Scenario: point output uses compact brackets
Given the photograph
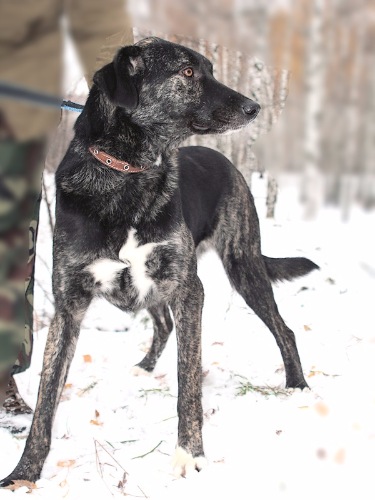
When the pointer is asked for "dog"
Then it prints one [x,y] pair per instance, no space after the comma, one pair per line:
[131,212]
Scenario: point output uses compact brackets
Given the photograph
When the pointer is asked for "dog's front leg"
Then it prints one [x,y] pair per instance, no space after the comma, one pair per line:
[58,354]
[187,310]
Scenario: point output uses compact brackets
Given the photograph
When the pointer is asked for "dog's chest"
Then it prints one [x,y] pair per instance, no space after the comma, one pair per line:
[134,260]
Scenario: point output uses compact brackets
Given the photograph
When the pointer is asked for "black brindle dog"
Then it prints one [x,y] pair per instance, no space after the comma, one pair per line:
[131,211]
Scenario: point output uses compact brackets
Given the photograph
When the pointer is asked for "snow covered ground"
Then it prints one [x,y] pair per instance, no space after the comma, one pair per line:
[115,433]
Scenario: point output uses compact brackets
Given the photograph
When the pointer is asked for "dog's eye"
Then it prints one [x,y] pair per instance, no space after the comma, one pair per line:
[189,72]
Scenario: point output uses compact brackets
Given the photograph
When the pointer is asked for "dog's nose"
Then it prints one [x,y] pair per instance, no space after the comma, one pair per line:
[251,109]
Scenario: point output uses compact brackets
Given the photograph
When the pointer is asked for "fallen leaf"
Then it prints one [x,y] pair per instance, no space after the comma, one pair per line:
[97,414]
[121,485]
[340,456]
[306,328]
[20,483]
[87,358]
[65,463]
[95,422]
[322,409]
[68,386]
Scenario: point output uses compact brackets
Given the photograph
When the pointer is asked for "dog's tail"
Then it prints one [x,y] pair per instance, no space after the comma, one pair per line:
[288,268]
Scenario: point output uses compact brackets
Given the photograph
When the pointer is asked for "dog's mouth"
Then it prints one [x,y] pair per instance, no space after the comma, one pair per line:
[218,126]
[200,127]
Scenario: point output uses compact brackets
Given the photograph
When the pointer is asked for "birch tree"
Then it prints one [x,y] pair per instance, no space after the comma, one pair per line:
[314,87]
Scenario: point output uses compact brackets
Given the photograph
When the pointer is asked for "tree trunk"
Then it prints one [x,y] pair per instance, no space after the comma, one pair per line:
[314,83]
[272,190]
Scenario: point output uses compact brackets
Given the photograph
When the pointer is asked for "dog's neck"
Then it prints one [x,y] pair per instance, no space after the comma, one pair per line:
[113,131]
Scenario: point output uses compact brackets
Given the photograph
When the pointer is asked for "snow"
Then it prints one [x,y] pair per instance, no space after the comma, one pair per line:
[115,433]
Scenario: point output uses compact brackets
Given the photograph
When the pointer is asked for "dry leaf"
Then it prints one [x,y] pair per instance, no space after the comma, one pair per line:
[306,328]
[17,484]
[68,386]
[340,456]
[121,485]
[315,372]
[322,409]
[87,358]
[65,463]
[97,414]
[95,422]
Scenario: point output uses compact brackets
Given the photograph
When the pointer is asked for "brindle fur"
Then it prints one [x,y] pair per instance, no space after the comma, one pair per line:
[140,108]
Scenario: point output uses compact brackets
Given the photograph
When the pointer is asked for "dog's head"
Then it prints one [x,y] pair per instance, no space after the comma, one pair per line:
[159,83]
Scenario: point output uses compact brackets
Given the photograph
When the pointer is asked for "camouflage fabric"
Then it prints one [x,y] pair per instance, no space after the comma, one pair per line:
[31,43]
[31,57]
[20,194]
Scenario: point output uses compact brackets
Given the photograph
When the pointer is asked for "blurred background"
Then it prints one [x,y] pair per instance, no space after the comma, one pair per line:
[312,60]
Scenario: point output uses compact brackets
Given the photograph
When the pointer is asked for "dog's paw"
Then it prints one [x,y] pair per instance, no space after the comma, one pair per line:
[296,384]
[298,390]
[184,463]
[137,371]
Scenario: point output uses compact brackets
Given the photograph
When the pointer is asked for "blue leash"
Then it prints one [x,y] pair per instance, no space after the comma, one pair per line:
[71,106]
[17,93]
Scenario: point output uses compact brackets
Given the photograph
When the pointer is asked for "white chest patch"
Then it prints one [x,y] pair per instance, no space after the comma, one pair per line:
[105,272]
[132,255]
[136,255]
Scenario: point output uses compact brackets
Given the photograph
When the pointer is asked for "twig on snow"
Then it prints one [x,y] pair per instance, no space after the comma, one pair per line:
[149,452]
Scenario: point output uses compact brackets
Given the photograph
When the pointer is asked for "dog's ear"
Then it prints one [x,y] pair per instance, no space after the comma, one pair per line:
[120,79]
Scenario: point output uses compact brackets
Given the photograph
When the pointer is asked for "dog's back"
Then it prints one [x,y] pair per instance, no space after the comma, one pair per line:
[212,191]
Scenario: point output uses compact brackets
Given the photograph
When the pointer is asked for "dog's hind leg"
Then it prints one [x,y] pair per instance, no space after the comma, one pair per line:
[163,325]
[237,240]
[59,351]
[249,277]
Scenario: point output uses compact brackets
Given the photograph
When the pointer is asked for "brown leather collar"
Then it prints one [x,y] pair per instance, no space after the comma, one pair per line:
[111,161]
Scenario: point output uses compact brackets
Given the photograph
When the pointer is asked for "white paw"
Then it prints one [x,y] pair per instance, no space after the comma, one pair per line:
[184,463]
[297,390]
[137,371]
